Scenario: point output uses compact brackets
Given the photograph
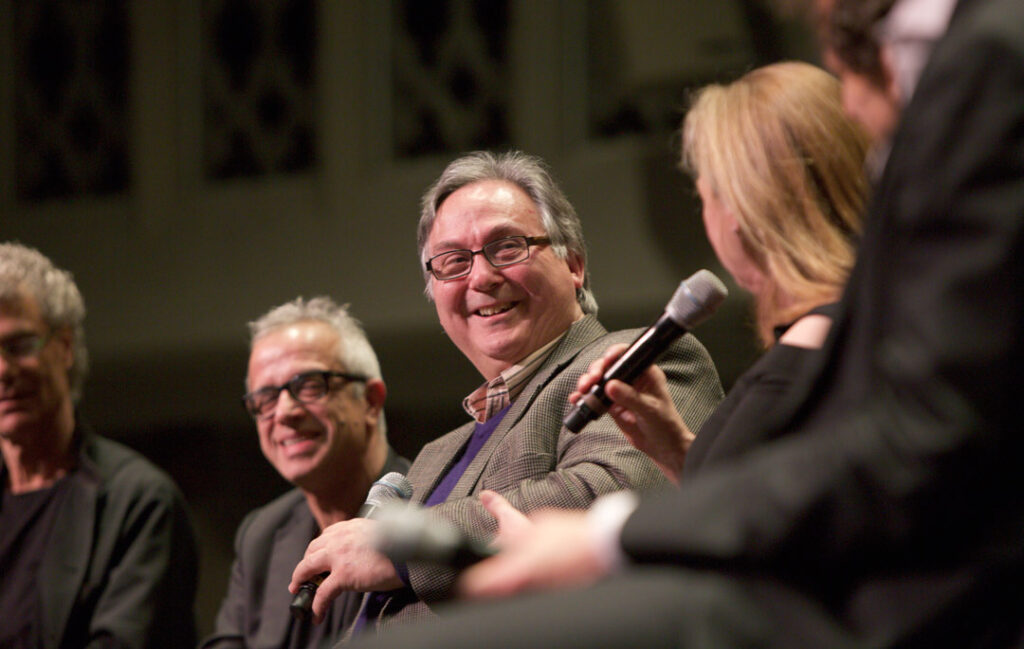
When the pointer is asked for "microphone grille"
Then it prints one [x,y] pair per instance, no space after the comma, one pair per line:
[696,299]
[391,486]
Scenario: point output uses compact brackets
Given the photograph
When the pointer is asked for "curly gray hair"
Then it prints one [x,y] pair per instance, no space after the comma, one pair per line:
[25,270]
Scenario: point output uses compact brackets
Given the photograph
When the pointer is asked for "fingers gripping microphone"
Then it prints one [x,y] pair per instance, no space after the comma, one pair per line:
[693,302]
[392,486]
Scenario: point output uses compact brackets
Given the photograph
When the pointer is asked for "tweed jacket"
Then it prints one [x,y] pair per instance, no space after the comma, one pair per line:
[535,462]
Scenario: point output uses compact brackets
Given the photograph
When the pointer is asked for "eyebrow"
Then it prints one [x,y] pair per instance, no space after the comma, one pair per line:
[499,232]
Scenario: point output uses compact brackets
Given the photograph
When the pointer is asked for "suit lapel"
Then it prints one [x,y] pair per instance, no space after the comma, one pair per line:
[434,460]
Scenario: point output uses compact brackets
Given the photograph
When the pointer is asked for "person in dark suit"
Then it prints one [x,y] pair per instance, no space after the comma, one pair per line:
[889,514]
[317,398]
[504,262]
[96,545]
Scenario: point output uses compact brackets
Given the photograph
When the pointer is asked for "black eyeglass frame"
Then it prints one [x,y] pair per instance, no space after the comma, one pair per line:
[293,385]
[529,241]
[11,352]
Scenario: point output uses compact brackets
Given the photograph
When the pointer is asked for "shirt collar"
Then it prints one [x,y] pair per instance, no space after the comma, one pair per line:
[494,395]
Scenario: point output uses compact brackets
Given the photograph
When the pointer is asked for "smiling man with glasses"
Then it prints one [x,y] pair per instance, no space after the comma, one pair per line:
[96,547]
[316,396]
[504,261]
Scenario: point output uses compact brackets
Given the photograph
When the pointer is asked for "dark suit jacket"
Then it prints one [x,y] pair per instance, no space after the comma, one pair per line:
[535,462]
[120,569]
[269,543]
[901,482]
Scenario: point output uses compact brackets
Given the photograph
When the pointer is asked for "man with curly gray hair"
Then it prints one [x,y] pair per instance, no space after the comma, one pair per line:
[96,546]
[315,392]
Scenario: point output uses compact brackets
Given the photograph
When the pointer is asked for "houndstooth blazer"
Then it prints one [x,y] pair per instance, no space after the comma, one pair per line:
[535,462]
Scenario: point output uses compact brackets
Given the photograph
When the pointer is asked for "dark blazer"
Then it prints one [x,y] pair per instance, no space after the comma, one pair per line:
[895,504]
[269,543]
[535,462]
[120,568]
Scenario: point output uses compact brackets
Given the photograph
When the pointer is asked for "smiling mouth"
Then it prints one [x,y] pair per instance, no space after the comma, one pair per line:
[291,441]
[497,309]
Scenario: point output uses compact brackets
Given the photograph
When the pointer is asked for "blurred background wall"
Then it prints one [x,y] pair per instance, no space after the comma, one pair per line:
[195,163]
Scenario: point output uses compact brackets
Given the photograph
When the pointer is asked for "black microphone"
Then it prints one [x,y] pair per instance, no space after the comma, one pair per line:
[693,302]
[408,533]
[392,486]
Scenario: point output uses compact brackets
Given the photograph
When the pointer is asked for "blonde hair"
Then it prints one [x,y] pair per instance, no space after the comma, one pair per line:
[776,148]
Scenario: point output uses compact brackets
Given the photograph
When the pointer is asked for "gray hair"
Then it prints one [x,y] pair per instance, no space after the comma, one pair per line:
[354,351]
[26,270]
[557,214]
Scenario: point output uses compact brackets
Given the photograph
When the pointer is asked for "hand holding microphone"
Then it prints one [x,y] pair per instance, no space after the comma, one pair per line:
[391,487]
[694,301]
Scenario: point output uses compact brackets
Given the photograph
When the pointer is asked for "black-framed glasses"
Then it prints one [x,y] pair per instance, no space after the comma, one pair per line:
[307,387]
[506,251]
[22,347]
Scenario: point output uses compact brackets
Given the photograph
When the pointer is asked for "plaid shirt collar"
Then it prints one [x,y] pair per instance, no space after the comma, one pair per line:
[492,396]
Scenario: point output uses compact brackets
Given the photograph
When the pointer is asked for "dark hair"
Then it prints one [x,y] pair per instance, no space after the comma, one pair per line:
[852,36]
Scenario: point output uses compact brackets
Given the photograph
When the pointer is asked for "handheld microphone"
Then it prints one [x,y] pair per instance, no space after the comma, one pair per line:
[693,302]
[392,486]
[408,533]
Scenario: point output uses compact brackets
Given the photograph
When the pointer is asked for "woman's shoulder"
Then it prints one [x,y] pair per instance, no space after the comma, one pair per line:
[810,330]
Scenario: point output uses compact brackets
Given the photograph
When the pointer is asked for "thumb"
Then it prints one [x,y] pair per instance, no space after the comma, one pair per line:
[512,523]
[498,506]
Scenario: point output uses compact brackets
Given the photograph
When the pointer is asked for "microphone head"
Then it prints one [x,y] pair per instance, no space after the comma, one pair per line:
[696,299]
[407,533]
[391,486]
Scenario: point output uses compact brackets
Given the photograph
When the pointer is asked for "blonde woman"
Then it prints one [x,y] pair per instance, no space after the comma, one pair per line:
[780,171]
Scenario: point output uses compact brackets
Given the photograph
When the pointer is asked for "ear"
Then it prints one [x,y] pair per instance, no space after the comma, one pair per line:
[577,269]
[375,394]
[65,337]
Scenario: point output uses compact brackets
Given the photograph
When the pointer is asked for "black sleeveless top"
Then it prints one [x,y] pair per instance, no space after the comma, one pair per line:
[750,414]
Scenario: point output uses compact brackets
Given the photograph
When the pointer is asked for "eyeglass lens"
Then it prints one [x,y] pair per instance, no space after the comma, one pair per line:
[305,388]
[502,252]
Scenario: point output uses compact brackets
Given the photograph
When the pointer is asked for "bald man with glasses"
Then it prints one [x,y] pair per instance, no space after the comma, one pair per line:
[316,396]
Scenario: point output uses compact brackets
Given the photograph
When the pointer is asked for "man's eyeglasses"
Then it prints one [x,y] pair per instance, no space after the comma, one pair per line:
[307,387]
[24,346]
[500,252]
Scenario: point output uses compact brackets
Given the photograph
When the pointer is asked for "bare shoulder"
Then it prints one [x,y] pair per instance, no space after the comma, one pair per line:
[808,332]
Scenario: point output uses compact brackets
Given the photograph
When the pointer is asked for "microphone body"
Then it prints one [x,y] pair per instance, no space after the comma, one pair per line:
[408,534]
[694,301]
[392,486]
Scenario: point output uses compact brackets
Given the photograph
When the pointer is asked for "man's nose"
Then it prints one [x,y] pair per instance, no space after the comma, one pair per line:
[287,406]
[483,274]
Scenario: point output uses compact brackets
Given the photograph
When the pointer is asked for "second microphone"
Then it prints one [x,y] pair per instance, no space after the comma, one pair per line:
[391,487]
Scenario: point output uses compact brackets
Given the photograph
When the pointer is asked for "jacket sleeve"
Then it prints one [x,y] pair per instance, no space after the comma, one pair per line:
[146,600]
[917,431]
